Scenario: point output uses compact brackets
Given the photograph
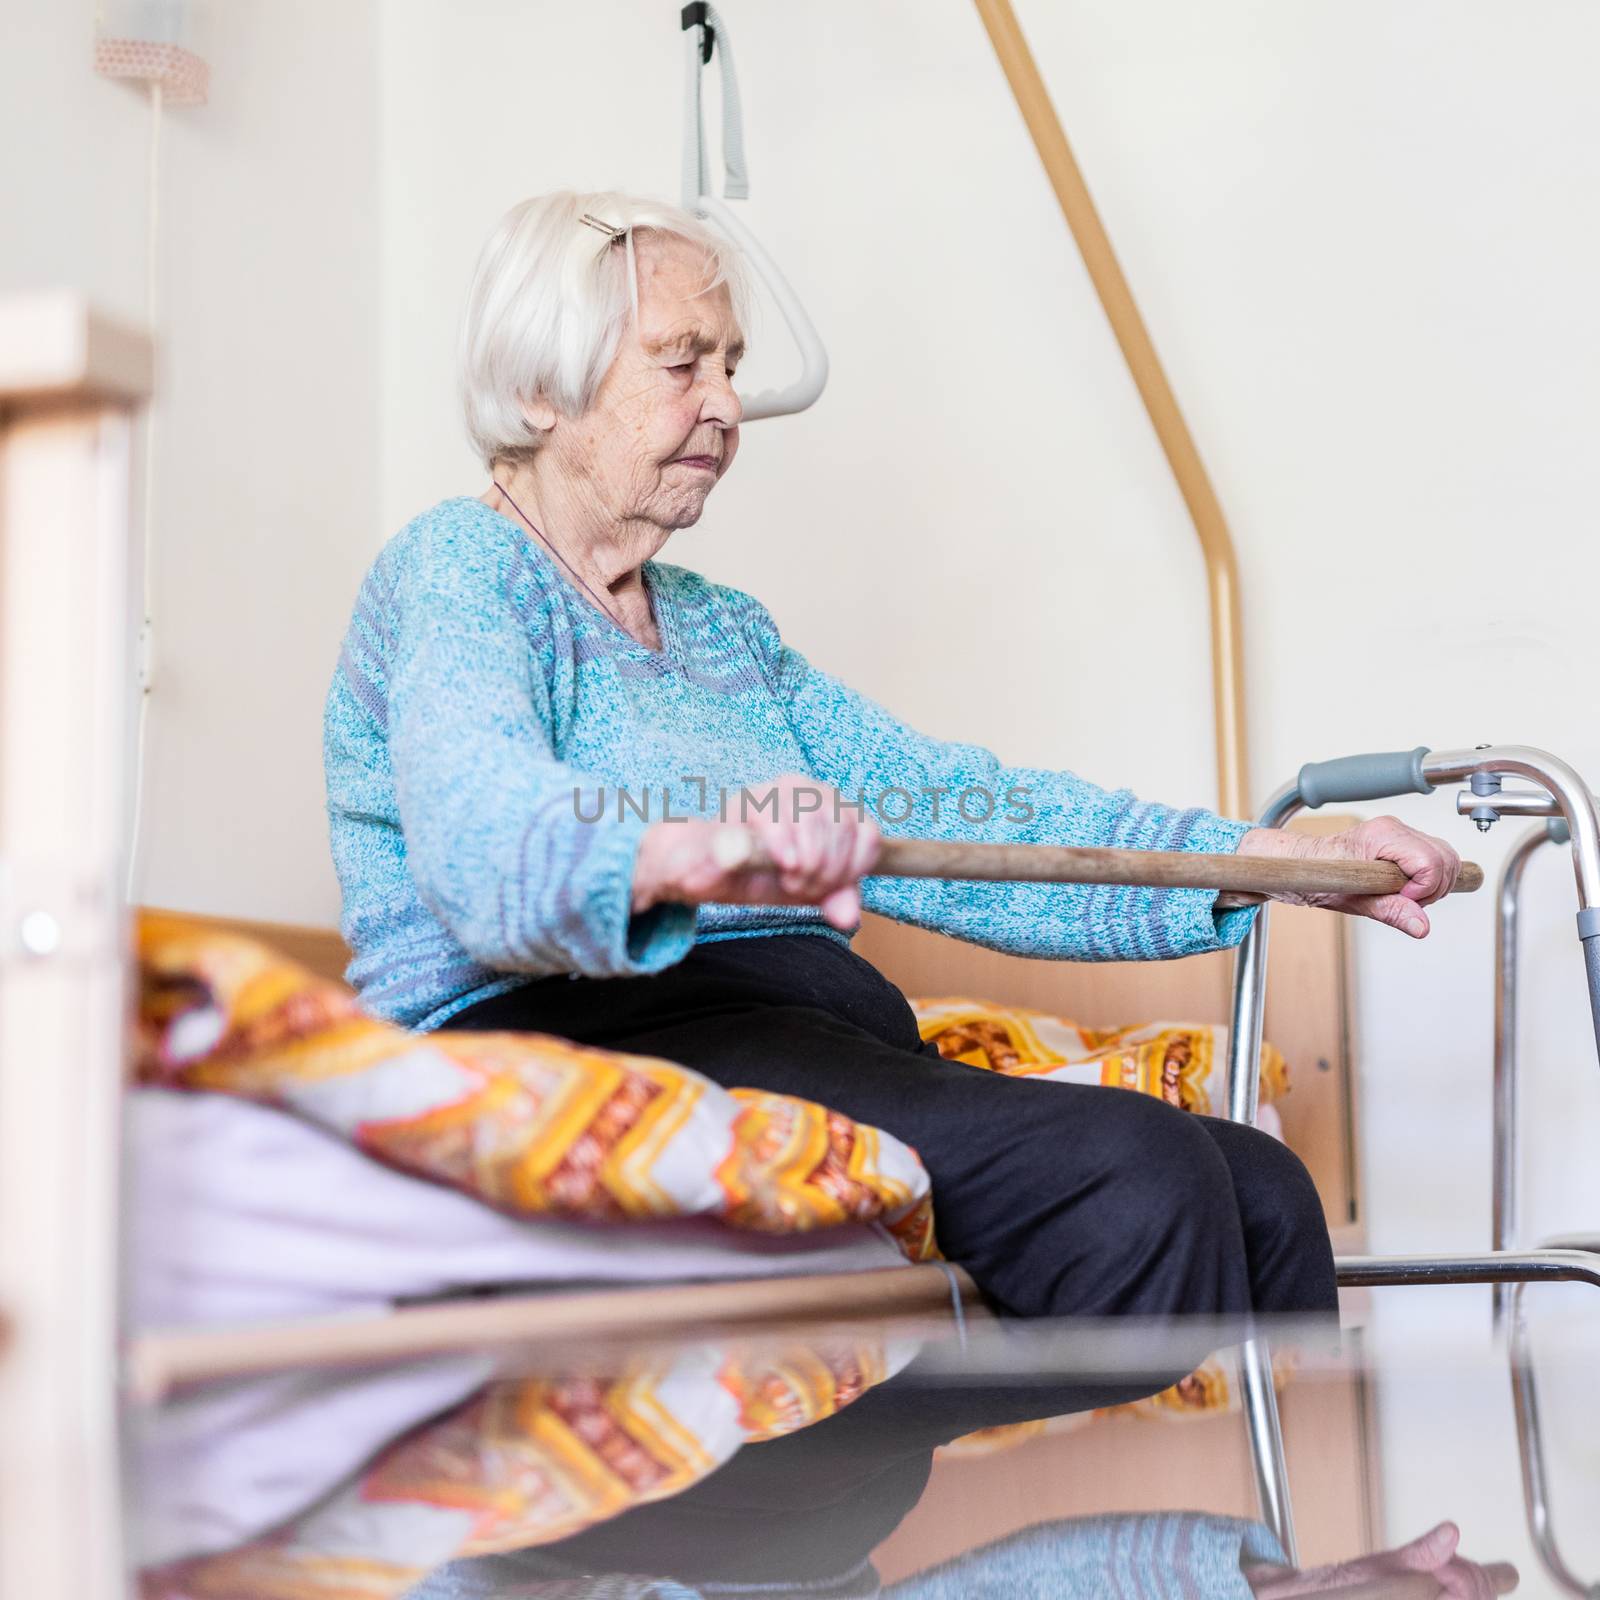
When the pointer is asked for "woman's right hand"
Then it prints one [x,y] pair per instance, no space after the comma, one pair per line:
[820,849]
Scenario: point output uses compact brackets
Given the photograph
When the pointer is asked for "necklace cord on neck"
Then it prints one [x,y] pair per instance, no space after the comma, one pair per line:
[549,545]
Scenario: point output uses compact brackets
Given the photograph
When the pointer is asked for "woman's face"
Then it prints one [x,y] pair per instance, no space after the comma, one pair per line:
[664,425]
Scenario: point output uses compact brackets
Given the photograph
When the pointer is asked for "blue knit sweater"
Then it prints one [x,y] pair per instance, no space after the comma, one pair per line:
[495,746]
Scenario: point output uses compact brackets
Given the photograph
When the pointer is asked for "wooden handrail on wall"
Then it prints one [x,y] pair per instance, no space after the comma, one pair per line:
[1216,543]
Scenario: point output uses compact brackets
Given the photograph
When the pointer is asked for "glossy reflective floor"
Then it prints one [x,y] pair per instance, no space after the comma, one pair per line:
[918,1460]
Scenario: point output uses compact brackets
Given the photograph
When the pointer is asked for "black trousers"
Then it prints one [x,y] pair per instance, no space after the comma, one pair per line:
[1059,1199]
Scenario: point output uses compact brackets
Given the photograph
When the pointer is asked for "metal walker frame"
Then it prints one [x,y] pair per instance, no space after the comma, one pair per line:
[1508,1307]
[1530,1451]
[1571,813]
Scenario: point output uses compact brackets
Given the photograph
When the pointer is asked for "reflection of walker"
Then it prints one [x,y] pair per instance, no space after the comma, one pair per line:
[1570,809]
[1530,1448]
[1507,1171]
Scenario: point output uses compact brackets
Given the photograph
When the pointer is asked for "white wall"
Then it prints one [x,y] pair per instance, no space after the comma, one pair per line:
[266,486]
[265,510]
[77,218]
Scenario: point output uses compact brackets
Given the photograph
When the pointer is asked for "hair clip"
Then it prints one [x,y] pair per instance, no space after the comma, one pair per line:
[601,227]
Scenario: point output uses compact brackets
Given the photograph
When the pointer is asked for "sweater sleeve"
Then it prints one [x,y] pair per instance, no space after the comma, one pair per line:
[1188,1553]
[919,786]
[493,837]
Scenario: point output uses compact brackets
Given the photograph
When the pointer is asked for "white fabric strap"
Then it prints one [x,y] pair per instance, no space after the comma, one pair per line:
[696,163]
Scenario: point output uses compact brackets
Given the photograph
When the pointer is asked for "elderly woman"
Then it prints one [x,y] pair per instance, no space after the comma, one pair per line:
[549,754]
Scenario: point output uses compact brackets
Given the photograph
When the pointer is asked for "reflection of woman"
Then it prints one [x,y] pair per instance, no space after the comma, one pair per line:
[801,1516]
[259,1488]
[524,689]
[1150,1556]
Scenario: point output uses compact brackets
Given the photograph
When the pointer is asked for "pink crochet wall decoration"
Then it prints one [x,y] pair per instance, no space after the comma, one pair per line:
[183,76]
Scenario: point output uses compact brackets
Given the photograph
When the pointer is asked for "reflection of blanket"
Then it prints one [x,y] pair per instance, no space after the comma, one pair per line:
[531,1124]
[1214,1386]
[523,1463]
[536,1471]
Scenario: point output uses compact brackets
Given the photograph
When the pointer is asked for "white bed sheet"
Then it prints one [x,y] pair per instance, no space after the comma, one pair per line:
[238,1213]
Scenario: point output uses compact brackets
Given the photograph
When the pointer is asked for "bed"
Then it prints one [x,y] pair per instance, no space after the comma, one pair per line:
[232,1283]
[401,1239]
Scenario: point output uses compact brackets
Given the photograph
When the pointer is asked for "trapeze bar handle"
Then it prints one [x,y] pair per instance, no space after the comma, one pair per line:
[706,34]
[1377,776]
[807,388]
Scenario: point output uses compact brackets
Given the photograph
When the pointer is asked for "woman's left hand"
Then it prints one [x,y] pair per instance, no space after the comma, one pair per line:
[1430,866]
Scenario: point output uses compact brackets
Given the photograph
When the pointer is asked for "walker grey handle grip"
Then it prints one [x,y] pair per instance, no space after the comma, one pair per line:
[1369,777]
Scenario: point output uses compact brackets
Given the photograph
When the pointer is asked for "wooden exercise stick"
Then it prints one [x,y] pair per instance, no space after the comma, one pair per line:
[1157,869]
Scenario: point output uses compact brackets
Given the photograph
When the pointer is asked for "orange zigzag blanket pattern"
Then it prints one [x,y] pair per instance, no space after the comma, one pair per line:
[530,1461]
[531,1124]
[1179,1062]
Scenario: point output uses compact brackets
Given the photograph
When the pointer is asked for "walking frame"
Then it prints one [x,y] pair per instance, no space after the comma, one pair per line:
[1570,817]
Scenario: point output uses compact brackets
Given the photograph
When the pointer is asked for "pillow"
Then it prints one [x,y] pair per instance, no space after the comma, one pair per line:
[1183,1063]
[531,1124]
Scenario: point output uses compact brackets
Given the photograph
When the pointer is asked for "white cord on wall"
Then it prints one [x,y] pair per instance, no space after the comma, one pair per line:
[146,654]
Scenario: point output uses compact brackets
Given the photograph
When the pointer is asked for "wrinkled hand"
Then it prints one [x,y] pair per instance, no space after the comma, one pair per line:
[1425,1569]
[1430,866]
[821,851]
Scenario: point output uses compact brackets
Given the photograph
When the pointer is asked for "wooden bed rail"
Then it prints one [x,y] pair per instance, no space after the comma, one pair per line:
[70,381]
[160,1362]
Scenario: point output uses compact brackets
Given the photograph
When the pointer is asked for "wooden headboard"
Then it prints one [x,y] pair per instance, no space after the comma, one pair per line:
[1308,1009]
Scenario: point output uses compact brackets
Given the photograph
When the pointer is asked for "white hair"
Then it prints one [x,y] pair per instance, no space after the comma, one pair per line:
[550,300]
